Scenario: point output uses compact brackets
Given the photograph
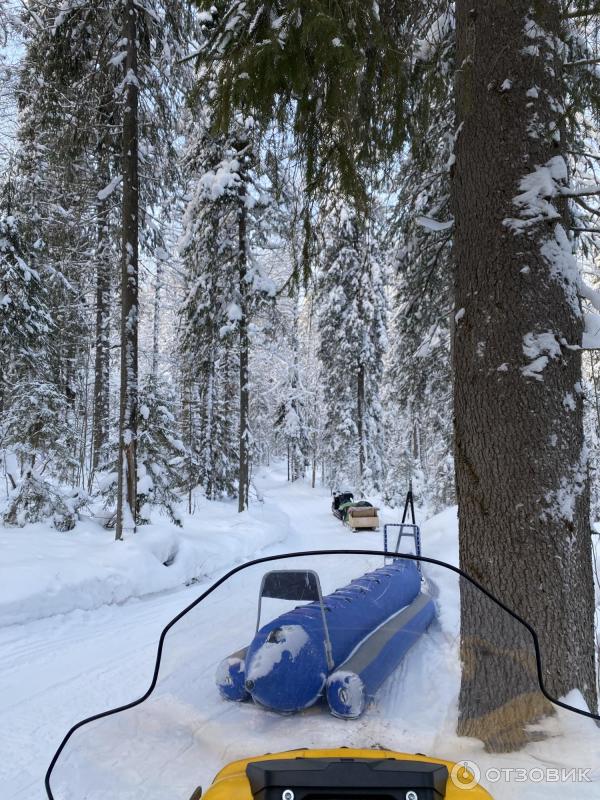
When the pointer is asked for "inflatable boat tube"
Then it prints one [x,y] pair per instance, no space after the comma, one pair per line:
[355,682]
[286,664]
[231,677]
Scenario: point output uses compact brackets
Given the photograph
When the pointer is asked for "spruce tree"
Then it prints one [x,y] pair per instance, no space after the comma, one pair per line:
[206,338]
[25,319]
[160,450]
[352,331]
[225,286]
[418,379]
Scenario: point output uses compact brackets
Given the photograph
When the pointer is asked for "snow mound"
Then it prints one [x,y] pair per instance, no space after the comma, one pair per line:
[43,573]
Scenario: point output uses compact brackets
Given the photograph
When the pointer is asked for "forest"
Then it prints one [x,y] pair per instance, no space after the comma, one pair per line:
[356,244]
[238,262]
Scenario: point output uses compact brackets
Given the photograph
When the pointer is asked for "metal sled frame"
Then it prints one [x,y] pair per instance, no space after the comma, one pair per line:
[405,530]
[298,585]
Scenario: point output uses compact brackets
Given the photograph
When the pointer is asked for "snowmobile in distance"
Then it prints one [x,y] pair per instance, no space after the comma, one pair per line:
[356,514]
[468,691]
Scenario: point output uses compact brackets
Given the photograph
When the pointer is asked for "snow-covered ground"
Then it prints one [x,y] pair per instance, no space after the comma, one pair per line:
[89,614]
[45,573]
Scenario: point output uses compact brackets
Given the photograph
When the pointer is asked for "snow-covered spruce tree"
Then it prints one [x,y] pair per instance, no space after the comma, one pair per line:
[225,285]
[418,382]
[160,450]
[291,413]
[36,425]
[37,429]
[352,332]
[206,341]
[56,183]
[25,320]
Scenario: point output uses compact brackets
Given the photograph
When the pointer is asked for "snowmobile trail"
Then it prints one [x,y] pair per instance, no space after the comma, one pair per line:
[57,670]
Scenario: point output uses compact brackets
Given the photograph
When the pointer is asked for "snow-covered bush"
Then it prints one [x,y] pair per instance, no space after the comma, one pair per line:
[36,428]
[36,500]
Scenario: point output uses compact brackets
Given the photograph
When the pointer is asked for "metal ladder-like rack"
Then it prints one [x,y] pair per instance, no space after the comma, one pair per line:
[405,530]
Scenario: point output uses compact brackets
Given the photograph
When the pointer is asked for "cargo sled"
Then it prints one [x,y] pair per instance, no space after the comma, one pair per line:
[356,514]
[363,516]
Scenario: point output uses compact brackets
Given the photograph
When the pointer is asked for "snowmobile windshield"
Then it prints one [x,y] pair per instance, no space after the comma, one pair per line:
[344,650]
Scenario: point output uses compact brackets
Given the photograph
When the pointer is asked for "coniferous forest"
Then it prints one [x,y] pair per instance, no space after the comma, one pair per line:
[191,289]
[355,245]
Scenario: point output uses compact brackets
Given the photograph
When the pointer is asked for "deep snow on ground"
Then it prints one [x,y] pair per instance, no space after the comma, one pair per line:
[44,573]
[63,666]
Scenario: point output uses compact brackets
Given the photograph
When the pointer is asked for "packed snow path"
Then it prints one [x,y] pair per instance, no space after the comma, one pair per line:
[58,669]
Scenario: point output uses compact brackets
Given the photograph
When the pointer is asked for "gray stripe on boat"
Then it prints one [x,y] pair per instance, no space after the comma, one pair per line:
[374,644]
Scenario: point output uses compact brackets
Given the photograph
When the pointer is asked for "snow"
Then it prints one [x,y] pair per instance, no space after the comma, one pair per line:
[291,639]
[67,664]
[43,573]
[535,189]
[434,224]
[225,178]
[539,348]
[591,333]
[105,193]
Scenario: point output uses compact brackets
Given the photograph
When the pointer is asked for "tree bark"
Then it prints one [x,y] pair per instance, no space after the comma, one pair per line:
[128,400]
[360,418]
[102,354]
[156,319]
[244,460]
[521,467]
[209,427]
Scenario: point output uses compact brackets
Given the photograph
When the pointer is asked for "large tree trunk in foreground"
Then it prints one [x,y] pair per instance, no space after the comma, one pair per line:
[127,489]
[520,458]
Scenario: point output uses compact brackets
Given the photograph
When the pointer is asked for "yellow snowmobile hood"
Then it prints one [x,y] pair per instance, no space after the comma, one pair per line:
[231,783]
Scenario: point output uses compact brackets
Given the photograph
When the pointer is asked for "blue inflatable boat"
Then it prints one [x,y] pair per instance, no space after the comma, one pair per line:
[342,647]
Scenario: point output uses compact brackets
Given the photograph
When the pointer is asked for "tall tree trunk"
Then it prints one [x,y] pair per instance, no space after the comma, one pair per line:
[360,406]
[127,488]
[244,461]
[520,460]
[210,444]
[156,319]
[102,354]
[188,426]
